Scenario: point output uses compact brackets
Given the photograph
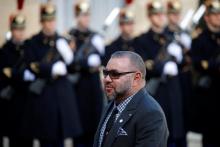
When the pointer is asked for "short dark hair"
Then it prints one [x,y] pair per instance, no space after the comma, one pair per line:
[134,58]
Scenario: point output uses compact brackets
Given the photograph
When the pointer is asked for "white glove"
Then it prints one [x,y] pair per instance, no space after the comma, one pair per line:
[175,50]
[28,75]
[170,68]
[94,60]
[64,50]
[98,43]
[185,40]
[59,69]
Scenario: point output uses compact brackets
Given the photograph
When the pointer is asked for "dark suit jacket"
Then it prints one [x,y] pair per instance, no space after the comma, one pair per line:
[142,120]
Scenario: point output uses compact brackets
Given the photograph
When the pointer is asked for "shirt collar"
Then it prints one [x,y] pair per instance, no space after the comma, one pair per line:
[121,106]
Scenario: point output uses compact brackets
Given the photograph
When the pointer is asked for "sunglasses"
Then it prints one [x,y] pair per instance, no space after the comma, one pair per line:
[113,74]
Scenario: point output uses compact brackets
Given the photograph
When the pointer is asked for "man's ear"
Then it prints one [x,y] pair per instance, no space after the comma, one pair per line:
[137,78]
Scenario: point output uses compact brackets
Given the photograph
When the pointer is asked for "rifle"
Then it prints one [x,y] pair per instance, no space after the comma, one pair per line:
[39,84]
[162,56]
[110,18]
[84,51]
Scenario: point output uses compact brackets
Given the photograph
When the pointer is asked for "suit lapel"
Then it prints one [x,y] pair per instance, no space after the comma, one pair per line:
[105,113]
[121,121]
[124,117]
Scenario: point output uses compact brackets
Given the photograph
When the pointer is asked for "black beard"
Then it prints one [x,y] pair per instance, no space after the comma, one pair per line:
[119,97]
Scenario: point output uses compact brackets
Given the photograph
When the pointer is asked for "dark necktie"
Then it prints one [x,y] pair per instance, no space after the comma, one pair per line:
[110,123]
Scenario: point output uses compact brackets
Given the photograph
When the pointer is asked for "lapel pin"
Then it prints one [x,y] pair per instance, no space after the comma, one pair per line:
[130,114]
[121,120]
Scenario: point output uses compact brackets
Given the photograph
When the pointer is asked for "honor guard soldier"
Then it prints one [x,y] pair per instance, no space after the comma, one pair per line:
[87,61]
[125,41]
[51,110]
[182,40]
[173,29]
[13,90]
[206,61]
[161,65]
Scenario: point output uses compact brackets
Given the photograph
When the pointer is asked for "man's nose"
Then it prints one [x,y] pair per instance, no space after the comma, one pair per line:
[107,78]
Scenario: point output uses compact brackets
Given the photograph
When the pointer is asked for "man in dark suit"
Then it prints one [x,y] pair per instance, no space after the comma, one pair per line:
[132,118]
